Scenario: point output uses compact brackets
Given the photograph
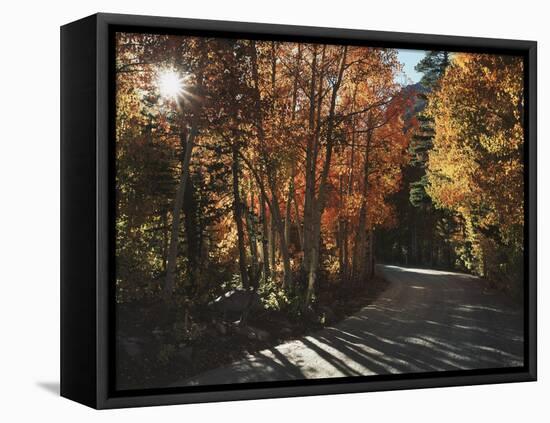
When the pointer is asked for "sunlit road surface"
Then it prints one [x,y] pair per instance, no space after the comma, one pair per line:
[426,320]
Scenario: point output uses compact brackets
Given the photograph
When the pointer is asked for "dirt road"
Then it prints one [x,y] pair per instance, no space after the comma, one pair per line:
[426,320]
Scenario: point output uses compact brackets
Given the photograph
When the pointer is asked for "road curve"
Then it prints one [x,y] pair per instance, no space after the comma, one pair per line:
[425,320]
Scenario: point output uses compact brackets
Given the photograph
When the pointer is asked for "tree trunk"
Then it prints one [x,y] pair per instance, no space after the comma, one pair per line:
[359,248]
[371,254]
[191,233]
[345,252]
[341,229]
[176,212]
[271,241]
[288,208]
[311,250]
[237,213]
[310,167]
[291,188]
[349,193]
[265,242]
[314,263]
[319,204]
[187,139]
[359,259]
[251,228]
[298,223]
[275,211]
[287,277]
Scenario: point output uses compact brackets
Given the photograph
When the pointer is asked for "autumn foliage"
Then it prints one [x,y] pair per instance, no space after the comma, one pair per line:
[271,166]
[475,167]
[274,165]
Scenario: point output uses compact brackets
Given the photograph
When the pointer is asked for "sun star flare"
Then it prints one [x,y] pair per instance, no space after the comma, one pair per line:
[171,84]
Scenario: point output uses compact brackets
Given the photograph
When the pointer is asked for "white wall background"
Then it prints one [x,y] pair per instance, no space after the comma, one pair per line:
[29,209]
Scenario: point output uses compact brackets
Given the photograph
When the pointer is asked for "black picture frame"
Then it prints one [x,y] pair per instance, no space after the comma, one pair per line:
[87,104]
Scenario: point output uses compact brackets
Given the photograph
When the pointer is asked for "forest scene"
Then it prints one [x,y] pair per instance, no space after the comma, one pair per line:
[290,210]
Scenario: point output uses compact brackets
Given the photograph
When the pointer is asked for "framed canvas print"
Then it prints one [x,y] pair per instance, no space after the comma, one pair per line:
[255,211]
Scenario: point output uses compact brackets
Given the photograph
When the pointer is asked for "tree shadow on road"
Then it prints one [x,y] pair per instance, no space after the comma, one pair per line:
[456,325]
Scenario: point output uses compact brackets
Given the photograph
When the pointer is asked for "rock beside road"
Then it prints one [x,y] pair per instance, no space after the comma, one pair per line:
[235,302]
